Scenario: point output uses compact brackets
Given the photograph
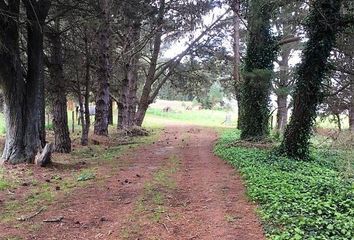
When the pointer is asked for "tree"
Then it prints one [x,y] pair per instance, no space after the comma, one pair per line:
[322,27]
[104,67]
[22,97]
[256,85]
[287,24]
[236,8]
[57,88]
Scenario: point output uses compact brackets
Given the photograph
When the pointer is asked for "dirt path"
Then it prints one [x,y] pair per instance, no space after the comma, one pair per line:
[173,189]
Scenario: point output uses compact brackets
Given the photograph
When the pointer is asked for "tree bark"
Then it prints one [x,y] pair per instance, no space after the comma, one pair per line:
[85,107]
[311,72]
[103,71]
[281,90]
[282,112]
[57,90]
[21,97]
[351,105]
[36,14]
[128,96]
[110,112]
[236,58]
[150,78]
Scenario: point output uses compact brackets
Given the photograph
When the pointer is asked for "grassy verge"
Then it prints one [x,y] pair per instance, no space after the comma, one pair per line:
[297,200]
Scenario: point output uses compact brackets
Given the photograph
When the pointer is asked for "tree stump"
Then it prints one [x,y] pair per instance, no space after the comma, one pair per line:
[44,158]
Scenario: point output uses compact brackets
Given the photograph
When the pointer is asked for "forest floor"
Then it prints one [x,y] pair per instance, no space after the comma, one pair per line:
[172,187]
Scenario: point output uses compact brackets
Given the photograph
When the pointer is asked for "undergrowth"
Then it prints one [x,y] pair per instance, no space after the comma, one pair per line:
[297,199]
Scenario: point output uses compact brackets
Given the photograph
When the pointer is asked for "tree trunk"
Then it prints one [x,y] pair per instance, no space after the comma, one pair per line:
[85,106]
[236,59]
[256,84]
[21,97]
[36,15]
[128,96]
[120,114]
[57,90]
[338,120]
[282,113]
[110,112]
[150,78]
[311,72]
[282,86]
[103,70]
[351,105]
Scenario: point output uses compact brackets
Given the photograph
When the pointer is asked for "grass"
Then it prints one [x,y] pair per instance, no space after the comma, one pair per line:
[4,183]
[297,199]
[208,118]
[151,205]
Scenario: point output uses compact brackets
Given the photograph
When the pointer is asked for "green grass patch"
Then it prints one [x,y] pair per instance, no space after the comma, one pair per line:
[4,183]
[297,199]
[208,118]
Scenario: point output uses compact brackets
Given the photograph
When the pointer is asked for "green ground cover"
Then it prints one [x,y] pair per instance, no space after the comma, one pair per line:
[297,199]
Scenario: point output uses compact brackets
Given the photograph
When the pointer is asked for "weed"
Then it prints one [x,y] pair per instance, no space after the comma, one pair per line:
[86,174]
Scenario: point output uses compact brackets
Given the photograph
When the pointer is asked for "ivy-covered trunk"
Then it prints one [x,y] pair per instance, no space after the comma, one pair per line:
[256,85]
[103,69]
[322,27]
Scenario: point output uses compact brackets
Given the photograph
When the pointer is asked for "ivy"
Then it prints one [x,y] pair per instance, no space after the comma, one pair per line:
[322,26]
[257,73]
[297,199]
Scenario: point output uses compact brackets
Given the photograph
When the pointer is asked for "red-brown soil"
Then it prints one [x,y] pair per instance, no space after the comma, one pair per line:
[174,188]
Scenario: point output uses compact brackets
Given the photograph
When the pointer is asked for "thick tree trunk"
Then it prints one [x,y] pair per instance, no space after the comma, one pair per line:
[36,15]
[311,72]
[57,90]
[21,97]
[103,71]
[282,112]
[351,105]
[256,84]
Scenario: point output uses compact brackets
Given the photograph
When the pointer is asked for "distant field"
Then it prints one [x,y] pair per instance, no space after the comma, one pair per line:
[178,114]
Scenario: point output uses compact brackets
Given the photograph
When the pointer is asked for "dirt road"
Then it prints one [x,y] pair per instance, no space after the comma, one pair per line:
[172,189]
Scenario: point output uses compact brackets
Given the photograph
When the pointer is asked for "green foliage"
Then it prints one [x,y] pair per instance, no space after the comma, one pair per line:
[215,94]
[310,75]
[255,90]
[298,199]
